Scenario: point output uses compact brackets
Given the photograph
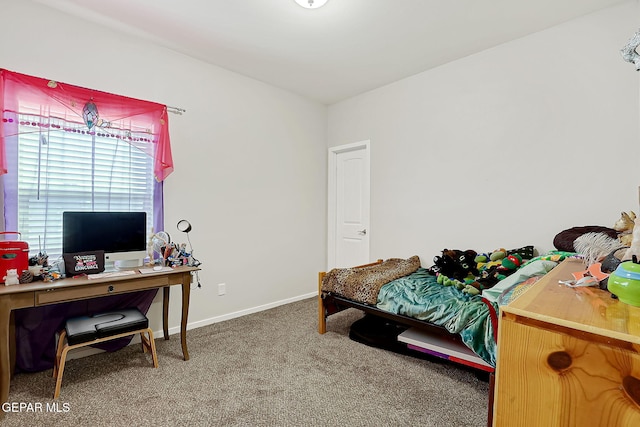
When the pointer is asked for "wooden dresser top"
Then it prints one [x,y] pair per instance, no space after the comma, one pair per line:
[586,309]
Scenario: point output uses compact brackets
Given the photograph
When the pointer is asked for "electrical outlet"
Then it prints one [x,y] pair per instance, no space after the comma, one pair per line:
[222,288]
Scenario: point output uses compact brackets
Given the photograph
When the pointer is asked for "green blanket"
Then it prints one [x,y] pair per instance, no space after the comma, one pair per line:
[418,295]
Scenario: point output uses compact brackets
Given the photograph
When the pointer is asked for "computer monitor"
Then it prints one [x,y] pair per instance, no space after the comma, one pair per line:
[121,235]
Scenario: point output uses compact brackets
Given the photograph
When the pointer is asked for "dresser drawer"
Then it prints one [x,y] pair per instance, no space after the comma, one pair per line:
[554,376]
[104,288]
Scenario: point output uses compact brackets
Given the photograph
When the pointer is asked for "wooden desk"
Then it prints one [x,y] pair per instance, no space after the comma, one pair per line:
[39,293]
[567,357]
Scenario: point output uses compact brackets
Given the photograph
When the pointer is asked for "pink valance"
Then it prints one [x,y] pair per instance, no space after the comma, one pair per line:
[142,124]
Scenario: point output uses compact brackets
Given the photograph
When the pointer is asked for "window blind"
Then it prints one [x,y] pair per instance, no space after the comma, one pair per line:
[61,170]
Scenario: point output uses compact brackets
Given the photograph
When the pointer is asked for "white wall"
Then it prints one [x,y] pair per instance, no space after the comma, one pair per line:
[504,148]
[250,159]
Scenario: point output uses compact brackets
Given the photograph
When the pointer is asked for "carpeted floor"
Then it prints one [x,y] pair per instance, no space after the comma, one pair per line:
[267,369]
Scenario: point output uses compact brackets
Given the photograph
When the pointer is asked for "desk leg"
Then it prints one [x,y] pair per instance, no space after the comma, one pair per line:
[5,354]
[186,291]
[12,340]
[165,312]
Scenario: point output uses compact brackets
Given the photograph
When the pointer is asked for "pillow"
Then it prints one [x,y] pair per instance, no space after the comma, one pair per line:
[564,240]
[536,268]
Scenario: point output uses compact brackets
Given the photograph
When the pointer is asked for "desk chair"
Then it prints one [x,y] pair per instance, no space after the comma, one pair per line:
[85,330]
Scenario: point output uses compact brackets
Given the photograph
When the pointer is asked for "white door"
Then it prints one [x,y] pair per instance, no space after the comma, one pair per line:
[349,229]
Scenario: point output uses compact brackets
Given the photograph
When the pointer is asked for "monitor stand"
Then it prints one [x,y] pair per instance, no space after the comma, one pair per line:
[111,266]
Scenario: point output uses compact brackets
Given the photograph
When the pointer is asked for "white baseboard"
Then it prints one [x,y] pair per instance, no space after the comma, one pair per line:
[229,316]
[89,351]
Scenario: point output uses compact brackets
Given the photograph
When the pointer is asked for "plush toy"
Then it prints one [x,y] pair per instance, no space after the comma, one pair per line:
[483,266]
[442,264]
[446,281]
[38,264]
[469,289]
[624,227]
[498,254]
[472,272]
[12,277]
[482,258]
[455,264]
[512,262]
[634,248]
[488,278]
[466,265]
[525,252]
[493,259]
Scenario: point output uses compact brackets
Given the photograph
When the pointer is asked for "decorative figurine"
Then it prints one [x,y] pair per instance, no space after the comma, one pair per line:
[12,277]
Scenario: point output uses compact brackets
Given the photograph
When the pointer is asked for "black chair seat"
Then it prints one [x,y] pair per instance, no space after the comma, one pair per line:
[88,328]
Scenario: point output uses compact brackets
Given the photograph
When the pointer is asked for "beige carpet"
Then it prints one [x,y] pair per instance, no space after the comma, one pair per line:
[267,369]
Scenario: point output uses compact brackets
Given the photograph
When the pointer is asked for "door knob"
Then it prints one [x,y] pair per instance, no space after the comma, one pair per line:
[362,232]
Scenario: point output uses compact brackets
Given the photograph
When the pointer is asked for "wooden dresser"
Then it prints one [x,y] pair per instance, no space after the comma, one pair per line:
[567,357]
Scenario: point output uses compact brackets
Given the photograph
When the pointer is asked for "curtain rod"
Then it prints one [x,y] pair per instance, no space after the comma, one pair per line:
[176,110]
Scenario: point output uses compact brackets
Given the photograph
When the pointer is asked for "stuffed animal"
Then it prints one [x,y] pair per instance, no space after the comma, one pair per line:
[488,278]
[455,264]
[466,265]
[442,264]
[446,281]
[634,249]
[488,261]
[525,252]
[512,262]
[469,289]
[624,227]
[12,277]
[498,254]
[482,257]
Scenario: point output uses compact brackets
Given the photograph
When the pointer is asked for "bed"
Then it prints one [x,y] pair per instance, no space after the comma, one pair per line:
[443,320]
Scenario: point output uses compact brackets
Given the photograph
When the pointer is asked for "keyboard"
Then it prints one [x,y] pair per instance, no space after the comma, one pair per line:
[111,274]
[155,270]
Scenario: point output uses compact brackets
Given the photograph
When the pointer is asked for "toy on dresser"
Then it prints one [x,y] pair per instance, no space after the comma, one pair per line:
[624,227]
[12,277]
[634,249]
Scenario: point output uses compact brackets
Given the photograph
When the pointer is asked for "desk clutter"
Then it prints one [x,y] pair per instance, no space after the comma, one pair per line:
[14,257]
[161,251]
[17,267]
[88,330]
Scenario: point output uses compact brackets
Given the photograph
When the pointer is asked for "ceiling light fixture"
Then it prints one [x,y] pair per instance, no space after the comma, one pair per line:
[311,4]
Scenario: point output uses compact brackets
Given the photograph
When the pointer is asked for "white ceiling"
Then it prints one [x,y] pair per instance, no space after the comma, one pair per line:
[343,49]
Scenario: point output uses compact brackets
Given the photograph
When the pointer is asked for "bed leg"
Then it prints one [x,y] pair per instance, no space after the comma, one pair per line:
[322,318]
[492,386]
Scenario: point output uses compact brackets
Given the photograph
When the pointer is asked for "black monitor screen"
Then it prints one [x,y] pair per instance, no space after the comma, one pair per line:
[107,231]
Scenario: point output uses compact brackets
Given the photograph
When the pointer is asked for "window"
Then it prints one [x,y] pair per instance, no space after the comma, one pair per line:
[64,147]
[62,168]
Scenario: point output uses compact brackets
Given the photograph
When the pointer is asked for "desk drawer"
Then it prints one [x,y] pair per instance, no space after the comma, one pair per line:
[88,290]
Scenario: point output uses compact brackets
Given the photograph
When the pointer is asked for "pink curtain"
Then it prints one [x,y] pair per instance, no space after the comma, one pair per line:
[142,124]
